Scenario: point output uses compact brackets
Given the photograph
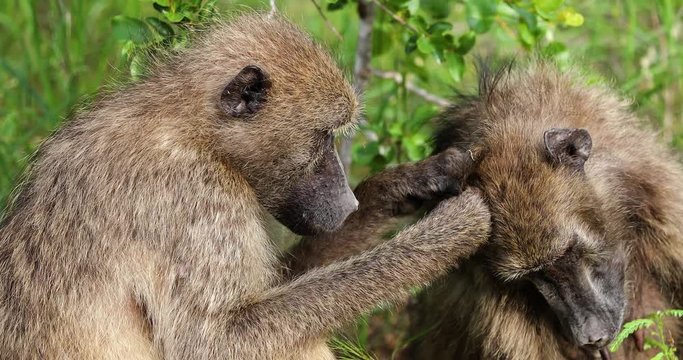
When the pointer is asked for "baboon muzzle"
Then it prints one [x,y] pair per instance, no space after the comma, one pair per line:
[320,201]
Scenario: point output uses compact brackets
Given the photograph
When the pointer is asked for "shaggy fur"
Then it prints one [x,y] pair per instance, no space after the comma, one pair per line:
[630,195]
[139,232]
[386,199]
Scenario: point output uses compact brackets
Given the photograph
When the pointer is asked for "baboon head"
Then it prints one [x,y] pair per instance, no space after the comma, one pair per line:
[279,100]
[549,228]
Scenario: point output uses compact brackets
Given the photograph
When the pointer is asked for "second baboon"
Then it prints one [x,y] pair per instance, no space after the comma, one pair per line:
[587,225]
[138,232]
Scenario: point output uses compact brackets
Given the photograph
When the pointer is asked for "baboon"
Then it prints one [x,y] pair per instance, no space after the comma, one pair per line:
[138,231]
[587,224]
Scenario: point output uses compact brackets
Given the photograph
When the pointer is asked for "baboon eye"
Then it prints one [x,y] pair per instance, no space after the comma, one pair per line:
[246,93]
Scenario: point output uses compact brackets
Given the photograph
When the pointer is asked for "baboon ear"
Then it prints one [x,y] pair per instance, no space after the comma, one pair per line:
[246,93]
[568,146]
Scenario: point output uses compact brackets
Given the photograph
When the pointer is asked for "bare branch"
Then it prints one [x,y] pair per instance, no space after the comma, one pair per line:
[398,19]
[327,21]
[398,78]
[273,8]
[361,69]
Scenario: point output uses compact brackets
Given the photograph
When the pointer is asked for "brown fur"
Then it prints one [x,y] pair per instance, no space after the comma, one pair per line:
[386,199]
[633,194]
[139,232]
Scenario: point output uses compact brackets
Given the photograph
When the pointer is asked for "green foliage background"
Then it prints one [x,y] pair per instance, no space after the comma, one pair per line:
[55,52]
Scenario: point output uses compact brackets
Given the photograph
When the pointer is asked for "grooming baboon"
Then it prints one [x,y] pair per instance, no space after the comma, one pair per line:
[587,225]
[138,232]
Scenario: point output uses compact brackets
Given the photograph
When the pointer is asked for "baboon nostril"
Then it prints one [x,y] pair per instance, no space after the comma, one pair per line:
[595,340]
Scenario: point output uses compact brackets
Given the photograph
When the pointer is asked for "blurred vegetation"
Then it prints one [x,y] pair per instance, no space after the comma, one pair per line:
[658,337]
[56,52]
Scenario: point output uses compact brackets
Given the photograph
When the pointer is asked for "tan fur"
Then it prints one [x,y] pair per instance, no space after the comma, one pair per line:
[635,191]
[387,199]
[139,231]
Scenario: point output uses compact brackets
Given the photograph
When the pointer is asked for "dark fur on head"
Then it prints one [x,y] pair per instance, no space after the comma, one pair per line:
[559,164]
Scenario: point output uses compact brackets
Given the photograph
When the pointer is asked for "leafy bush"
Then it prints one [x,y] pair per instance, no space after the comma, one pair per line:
[657,338]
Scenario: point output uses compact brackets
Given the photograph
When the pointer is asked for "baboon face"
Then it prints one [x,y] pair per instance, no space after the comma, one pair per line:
[278,128]
[548,229]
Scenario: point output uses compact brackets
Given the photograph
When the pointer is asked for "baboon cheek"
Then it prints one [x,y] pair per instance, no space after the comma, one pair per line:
[319,201]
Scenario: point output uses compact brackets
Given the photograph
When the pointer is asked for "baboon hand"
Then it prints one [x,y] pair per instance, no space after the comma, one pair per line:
[404,189]
[458,225]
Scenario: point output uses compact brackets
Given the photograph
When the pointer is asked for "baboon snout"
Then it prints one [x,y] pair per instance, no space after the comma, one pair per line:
[595,333]
[349,203]
[320,201]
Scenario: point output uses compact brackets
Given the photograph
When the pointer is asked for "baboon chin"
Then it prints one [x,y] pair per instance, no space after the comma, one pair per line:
[587,229]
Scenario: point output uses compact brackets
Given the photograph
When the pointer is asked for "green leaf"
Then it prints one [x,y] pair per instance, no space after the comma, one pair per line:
[628,329]
[528,18]
[411,45]
[418,22]
[466,42]
[160,8]
[438,9]
[525,36]
[337,5]
[673,312]
[659,356]
[439,27]
[416,146]
[480,14]
[546,7]
[161,27]
[554,48]
[456,65]
[412,6]
[126,28]
[174,17]
[570,17]
[424,45]
[365,155]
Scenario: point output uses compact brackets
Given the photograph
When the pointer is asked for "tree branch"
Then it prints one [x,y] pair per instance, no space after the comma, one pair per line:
[398,78]
[327,21]
[398,19]
[361,69]
[273,8]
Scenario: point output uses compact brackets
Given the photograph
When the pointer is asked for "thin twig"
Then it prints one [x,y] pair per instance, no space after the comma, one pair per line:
[398,78]
[273,8]
[395,16]
[327,21]
[361,69]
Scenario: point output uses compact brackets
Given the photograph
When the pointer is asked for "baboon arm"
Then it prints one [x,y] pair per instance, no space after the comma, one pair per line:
[384,199]
[325,298]
[361,231]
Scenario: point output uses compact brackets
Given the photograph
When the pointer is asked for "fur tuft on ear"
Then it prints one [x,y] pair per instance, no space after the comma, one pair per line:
[568,146]
[246,93]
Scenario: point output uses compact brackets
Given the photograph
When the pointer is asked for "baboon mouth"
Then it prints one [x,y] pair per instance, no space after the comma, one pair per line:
[603,351]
